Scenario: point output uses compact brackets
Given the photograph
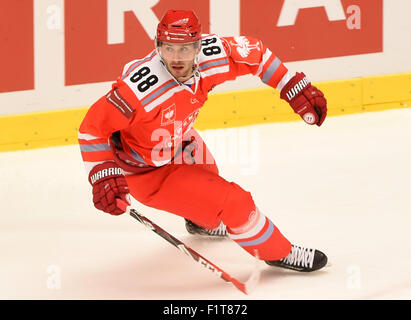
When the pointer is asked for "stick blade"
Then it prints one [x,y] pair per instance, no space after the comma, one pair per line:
[246,287]
[251,283]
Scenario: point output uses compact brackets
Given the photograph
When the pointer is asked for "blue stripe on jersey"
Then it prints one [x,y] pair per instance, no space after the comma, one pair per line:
[136,156]
[157,93]
[94,147]
[213,64]
[270,70]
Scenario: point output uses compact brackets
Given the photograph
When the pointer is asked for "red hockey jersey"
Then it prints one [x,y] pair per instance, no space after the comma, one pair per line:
[153,111]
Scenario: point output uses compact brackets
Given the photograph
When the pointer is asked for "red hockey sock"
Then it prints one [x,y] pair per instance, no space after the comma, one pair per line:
[259,233]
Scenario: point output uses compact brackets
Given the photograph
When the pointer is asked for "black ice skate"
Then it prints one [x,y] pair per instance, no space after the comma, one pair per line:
[193,228]
[301,259]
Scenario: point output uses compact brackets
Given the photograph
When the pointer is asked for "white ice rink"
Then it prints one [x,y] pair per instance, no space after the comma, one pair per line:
[343,188]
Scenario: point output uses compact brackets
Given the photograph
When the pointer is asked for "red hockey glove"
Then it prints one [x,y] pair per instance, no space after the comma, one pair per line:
[109,184]
[305,99]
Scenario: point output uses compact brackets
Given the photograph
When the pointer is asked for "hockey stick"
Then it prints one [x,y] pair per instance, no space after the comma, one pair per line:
[245,287]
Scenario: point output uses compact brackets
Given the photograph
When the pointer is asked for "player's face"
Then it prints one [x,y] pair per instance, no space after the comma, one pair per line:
[179,58]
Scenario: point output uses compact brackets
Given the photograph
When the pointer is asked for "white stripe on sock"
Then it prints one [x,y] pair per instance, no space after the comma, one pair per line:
[253,231]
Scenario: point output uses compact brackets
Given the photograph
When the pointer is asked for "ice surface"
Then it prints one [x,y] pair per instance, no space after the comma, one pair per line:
[343,188]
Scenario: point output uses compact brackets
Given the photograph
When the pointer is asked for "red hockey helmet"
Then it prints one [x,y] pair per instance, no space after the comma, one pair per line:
[179,26]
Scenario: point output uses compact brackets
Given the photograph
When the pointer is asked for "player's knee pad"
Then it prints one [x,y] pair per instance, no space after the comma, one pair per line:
[237,207]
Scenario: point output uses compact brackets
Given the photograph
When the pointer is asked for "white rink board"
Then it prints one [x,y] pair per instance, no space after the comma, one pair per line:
[351,178]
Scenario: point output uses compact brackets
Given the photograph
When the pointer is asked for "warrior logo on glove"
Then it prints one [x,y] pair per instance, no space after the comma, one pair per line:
[305,99]
[105,173]
[109,184]
[297,88]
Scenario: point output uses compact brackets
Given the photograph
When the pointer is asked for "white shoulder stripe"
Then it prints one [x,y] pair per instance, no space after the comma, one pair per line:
[284,80]
[266,56]
[87,136]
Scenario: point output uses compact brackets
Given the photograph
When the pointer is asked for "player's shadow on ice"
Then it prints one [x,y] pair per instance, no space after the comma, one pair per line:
[163,274]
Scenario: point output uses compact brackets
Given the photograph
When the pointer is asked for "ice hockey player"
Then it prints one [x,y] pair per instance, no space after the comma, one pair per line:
[139,140]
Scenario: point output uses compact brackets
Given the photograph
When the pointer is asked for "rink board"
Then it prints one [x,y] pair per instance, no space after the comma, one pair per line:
[222,110]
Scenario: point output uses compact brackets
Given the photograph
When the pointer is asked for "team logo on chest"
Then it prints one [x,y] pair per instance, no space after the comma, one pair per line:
[168,115]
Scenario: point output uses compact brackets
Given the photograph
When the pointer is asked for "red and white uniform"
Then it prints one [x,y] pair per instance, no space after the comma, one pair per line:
[153,113]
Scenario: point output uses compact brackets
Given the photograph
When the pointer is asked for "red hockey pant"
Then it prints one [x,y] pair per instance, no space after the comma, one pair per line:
[197,192]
